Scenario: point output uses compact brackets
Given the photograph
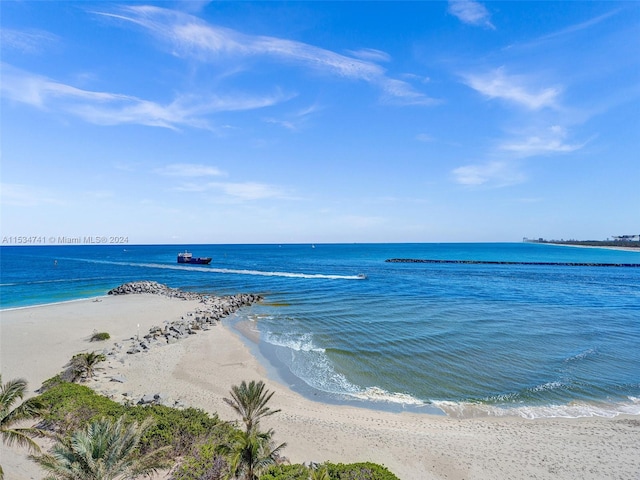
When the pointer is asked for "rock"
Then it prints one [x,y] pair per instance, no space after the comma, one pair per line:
[146,400]
[118,378]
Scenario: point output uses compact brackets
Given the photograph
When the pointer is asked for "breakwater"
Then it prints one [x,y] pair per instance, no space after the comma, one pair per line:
[492,262]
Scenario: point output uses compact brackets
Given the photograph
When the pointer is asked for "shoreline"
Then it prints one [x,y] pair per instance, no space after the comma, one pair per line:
[199,371]
[605,247]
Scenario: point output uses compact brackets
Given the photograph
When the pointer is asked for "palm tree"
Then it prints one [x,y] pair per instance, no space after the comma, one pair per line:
[104,450]
[250,453]
[319,473]
[250,402]
[10,392]
[83,365]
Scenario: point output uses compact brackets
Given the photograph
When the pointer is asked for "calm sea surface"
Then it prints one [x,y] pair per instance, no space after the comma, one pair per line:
[466,339]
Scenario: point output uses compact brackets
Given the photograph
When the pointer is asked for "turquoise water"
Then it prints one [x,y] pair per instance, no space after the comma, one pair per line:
[466,339]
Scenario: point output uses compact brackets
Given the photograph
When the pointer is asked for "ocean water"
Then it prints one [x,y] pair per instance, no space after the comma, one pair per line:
[460,339]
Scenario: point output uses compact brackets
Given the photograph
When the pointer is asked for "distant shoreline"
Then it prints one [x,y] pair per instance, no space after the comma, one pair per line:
[621,246]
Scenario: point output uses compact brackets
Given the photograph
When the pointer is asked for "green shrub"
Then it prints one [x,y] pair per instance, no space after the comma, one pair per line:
[286,472]
[203,463]
[359,471]
[340,471]
[71,406]
[99,336]
[50,383]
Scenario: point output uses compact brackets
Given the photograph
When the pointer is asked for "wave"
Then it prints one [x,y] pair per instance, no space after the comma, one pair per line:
[311,365]
[59,280]
[230,270]
[377,394]
[571,410]
[296,342]
[582,355]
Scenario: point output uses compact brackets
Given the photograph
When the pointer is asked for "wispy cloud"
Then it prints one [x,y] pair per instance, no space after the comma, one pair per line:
[27,42]
[551,140]
[580,26]
[191,37]
[189,170]
[251,190]
[496,173]
[513,88]
[295,120]
[471,12]
[424,137]
[370,54]
[106,108]
[243,191]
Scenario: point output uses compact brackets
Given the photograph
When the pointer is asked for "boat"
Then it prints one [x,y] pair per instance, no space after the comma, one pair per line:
[186,257]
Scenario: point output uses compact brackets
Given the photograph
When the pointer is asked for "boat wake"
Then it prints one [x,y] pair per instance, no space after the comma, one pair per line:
[232,271]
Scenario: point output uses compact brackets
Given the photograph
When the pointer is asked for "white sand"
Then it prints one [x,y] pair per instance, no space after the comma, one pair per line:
[199,371]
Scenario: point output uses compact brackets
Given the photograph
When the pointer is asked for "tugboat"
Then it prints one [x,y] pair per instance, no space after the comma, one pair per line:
[186,257]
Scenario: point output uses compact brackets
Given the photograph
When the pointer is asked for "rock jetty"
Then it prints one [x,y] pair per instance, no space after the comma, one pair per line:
[490,262]
[153,288]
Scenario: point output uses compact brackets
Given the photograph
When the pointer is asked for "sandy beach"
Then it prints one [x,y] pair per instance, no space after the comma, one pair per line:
[199,370]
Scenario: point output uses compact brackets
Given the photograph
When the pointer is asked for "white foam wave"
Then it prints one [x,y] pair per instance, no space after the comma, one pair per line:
[571,410]
[547,386]
[296,342]
[582,355]
[230,270]
[377,394]
[313,366]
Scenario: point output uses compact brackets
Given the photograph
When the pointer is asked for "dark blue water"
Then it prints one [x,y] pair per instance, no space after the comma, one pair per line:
[470,339]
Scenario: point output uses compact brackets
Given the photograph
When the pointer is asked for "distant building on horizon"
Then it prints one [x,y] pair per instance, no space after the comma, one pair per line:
[626,238]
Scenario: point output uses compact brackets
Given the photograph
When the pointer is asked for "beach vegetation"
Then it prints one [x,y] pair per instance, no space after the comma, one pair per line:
[204,462]
[104,450]
[319,472]
[294,471]
[99,337]
[359,471]
[329,471]
[10,417]
[71,406]
[82,366]
[250,452]
[249,400]
[208,448]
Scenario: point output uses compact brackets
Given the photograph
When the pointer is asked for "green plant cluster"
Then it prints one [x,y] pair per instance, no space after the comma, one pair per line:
[340,471]
[72,406]
[99,337]
[191,433]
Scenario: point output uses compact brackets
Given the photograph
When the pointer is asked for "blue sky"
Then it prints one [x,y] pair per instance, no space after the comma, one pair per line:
[269,122]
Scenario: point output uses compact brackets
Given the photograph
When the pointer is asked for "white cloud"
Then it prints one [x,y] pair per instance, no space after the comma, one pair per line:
[513,88]
[551,140]
[105,108]
[27,42]
[191,37]
[251,190]
[189,170]
[370,54]
[236,190]
[470,12]
[499,174]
